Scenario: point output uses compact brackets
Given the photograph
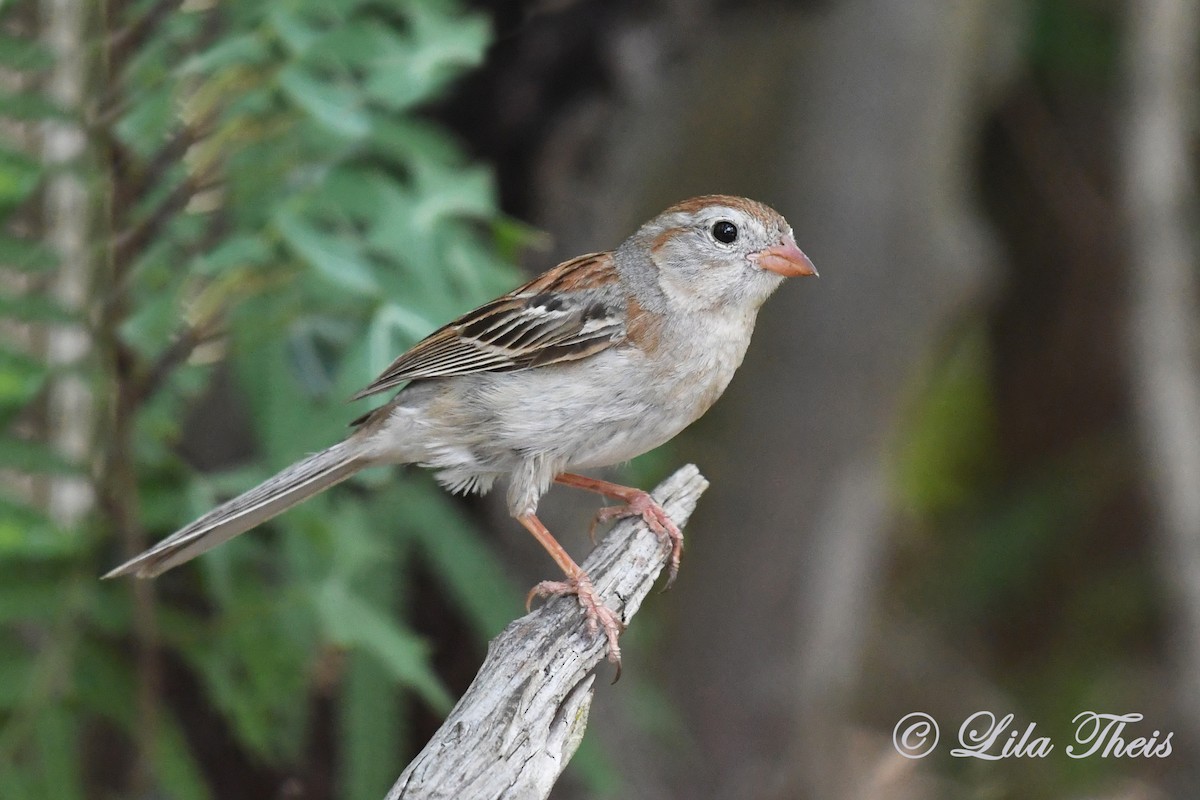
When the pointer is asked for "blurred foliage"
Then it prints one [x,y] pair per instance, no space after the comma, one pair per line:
[273,201]
[950,437]
[1013,563]
[1074,41]
[1024,549]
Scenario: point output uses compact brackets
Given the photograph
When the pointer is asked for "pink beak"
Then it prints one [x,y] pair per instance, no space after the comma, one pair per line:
[784,258]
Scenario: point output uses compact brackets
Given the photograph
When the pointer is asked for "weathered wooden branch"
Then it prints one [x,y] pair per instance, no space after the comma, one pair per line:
[513,732]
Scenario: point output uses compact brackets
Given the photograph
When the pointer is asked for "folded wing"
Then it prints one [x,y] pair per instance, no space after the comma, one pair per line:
[573,311]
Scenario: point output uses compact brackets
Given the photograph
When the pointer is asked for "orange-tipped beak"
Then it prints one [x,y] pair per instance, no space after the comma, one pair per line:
[784,258]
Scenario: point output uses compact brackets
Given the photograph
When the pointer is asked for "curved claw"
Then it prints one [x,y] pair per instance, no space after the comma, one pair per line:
[597,615]
[608,513]
[656,518]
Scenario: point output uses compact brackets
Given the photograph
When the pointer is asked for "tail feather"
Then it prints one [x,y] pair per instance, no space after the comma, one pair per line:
[271,497]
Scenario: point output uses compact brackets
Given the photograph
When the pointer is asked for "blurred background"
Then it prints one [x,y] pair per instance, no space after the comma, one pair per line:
[959,473]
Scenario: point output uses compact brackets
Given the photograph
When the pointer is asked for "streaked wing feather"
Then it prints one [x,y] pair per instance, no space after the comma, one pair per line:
[565,314]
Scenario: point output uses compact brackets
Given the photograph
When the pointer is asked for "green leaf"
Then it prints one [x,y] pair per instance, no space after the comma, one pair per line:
[25,255]
[952,434]
[333,257]
[16,673]
[153,325]
[176,767]
[439,48]
[56,734]
[310,351]
[471,572]
[337,108]
[292,29]
[17,784]
[1073,43]
[372,708]
[393,330]
[236,252]
[34,457]
[26,532]
[352,192]
[372,717]
[148,123]
[351,622]
[444,192]
[256,666]
[412,141]
[24,53]
[35,308]
[29,592]
[30,106]
[105,685]
[19,176]
[240,49]
[286,426]
[20,378]
[476,269]
[360,44]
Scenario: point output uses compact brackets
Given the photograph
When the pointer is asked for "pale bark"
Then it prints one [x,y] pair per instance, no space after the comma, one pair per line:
[67,229]
[1159,190]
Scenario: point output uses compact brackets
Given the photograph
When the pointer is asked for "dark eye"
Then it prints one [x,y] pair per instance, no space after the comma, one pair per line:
[725,232]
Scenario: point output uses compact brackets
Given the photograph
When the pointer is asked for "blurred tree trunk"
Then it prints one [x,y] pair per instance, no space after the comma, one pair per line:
[1159,190]
[855,121]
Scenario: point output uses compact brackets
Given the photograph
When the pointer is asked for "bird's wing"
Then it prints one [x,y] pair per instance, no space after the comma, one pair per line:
[570,312]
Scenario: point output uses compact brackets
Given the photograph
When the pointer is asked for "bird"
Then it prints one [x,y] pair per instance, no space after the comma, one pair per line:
[598,360]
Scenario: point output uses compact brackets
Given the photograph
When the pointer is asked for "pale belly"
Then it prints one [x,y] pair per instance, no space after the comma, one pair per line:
[593,414]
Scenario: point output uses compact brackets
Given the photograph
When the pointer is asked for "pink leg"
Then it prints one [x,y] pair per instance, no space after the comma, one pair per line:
[637,504]
[598,615]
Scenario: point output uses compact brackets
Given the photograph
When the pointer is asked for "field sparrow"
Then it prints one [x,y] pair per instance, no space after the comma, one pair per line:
[600,359]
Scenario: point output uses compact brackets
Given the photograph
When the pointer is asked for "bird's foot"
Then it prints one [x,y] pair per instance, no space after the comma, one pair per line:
[644,506]
[598,616]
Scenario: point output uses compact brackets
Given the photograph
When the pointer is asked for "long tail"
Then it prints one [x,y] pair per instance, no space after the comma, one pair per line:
[273,496]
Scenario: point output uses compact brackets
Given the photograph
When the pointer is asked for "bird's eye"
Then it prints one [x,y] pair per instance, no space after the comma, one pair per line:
[725,232]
